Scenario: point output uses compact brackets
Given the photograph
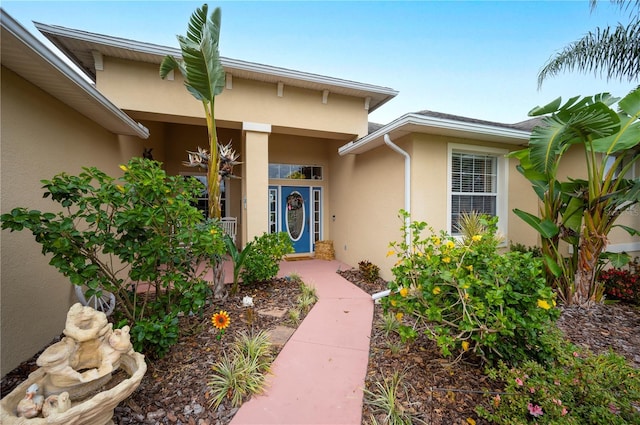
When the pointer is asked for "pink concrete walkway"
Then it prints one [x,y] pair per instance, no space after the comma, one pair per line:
[318,376]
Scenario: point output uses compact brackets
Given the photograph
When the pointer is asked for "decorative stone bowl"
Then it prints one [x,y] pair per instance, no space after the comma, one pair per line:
[81,364]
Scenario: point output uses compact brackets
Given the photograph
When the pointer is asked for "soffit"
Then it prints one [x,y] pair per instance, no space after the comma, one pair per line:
[79,47]
[31,60]
[421,124]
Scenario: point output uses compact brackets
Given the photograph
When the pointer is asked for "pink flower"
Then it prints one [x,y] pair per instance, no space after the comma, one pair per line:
[532,390]
[564,411]
[556,401]
[575,354]
[556,382]
[535,410]
[519,382]
[613,409]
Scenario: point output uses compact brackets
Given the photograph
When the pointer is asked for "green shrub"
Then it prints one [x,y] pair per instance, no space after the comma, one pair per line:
[370,272]
[262,263]
[576,388]
[139,238]
[536,251]
[470,298]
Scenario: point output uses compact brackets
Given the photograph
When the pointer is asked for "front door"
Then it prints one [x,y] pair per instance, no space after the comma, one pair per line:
[296,216]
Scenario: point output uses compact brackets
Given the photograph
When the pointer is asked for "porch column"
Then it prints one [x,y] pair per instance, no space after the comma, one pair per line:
[255,179]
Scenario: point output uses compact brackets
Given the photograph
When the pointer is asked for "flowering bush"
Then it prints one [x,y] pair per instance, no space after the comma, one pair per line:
[139,238]
[577,388]
[622,284]
[469,298]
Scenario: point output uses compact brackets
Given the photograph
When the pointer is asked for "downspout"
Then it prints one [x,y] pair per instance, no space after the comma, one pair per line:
[407,200]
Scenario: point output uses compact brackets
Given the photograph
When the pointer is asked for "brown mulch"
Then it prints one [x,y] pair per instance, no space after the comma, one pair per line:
[175,390]
[441,393]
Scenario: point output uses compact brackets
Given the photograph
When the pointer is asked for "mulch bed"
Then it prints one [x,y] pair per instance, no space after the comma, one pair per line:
[175,390]
[441,393]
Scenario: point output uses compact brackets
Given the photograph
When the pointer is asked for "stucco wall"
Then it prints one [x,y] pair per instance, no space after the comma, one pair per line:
[40,138]
[138,87]
[367,192]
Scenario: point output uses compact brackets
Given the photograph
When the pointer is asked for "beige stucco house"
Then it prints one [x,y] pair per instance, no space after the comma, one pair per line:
[312,163]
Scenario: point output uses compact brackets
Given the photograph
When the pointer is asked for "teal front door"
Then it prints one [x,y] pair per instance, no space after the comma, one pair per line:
[296,217]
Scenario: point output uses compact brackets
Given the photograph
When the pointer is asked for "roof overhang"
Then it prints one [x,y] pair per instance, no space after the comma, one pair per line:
[80,46]
[28,57]
[417,123]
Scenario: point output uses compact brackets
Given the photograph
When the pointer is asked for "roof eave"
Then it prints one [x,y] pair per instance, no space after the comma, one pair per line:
[54,65]
[380,95]
[411,123]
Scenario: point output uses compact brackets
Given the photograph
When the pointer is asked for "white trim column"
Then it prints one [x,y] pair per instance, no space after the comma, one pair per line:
[255,179]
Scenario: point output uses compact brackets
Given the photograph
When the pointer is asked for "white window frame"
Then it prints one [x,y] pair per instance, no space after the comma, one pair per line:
[226,197]
[502,181]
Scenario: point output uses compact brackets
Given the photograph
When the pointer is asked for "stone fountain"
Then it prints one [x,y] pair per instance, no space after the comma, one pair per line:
[71,385]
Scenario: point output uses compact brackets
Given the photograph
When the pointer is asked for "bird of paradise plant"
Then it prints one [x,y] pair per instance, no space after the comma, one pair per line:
[204,77]
[581,212]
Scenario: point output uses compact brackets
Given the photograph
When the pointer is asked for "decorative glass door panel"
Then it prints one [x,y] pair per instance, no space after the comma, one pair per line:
[295,216]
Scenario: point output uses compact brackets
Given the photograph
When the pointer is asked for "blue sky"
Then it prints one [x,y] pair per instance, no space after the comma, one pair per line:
[473,58]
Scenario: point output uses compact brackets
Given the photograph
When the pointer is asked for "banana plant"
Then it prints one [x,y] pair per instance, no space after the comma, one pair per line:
[581,212]
[203,76]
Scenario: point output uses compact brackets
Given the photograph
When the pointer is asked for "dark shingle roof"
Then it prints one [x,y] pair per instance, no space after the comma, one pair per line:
[374,126]
[523,125]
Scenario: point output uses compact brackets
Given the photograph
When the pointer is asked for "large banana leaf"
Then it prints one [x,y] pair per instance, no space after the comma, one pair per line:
[588,121]
[546,228]
[200,66]
[629,134]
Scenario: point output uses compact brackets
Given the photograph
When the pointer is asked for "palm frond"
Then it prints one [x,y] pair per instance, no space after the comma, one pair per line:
[614,53]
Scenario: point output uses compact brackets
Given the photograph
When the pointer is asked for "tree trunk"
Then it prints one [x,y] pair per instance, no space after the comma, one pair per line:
[585,279]
[219,288]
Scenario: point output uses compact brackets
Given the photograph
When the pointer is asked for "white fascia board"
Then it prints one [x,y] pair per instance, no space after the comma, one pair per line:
[374,139]
[32,43]
[228,63]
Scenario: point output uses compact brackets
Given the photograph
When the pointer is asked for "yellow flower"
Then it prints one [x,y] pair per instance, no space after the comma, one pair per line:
[124,168]
[450,244]
[213,231]
[471,421]
[466,295]
[446,260]
[436,290]
[394,303]
[435,240]
[170,201]
[390,252]
[399,316]
[476,238]
[470,267]
[221,320]
[544,304]
[120,188]
[465,345]
[404,292]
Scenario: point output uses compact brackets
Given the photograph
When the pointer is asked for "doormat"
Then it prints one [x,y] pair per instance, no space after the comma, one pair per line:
[306,257]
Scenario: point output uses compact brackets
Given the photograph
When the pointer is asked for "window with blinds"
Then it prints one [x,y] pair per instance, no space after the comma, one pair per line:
[474,185]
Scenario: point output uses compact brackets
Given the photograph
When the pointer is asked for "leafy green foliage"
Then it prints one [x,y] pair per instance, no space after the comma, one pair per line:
[470,298]
[263,261]
[237,258]
[139,238]
[388,398]
[241,374]
[581,212]
[578,387]
[370,272]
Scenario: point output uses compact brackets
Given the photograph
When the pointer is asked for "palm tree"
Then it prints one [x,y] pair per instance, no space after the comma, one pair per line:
[614,52]
[203,76]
